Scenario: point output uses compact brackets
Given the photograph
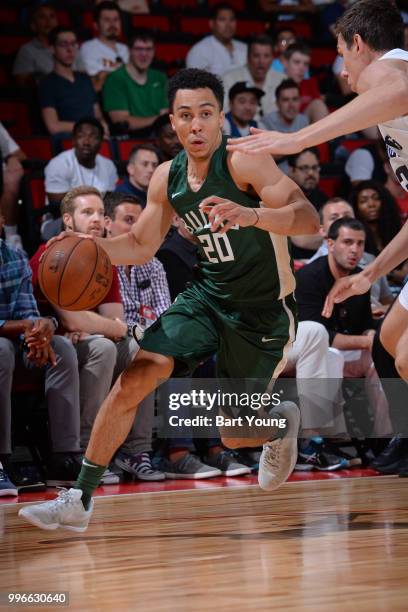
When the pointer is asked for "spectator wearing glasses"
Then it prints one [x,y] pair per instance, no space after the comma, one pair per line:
[304,169]
[104,53]
[66,95]
[135,94]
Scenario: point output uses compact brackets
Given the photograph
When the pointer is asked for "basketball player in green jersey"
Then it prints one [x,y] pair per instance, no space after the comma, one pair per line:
[241,211]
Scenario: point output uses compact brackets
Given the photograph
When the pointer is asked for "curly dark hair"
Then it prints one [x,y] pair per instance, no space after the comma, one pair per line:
[193,78]
[389,221]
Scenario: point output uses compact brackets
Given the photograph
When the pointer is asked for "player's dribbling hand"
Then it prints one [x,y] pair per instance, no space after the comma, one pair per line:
[343,288]
[224,214]
[263,141]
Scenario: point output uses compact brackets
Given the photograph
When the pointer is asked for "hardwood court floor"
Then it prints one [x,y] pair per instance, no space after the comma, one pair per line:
[320,545]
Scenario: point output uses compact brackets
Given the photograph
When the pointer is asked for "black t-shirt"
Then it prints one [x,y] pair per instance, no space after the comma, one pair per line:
[179,258]
[313,283]
[71,100]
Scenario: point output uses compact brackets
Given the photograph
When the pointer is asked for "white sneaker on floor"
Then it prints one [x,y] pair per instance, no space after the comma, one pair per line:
[109,477]
[66,511]
[279,456]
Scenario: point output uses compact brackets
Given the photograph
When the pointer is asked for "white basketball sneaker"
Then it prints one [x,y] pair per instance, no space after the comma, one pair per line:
[66,511]
[279,456]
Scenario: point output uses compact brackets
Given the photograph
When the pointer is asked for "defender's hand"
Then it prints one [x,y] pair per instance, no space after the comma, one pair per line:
[263,141]
[343,288]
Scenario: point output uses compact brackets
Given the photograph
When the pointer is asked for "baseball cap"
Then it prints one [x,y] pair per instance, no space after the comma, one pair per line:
[244,86]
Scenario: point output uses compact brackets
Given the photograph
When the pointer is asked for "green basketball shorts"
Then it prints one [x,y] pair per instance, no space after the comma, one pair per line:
[249,343]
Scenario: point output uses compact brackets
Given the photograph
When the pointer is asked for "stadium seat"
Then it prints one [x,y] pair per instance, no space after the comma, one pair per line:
[238,5]
[198,26]
[124,147]
[156,23]
[330,185]
[63,18]
[324,152]
[14,115]
[37,193]
[352,144]
[176,5]
[249,27]
[300,28]
[322,57]
[8,15]
[11,44]
[36,148]
[171,52]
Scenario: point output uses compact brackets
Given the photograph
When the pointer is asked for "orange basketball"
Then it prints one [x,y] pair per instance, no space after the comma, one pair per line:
[75,273]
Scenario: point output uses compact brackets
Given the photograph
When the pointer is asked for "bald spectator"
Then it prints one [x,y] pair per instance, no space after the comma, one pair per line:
[104,53]
[143,161]
[220,51]
[34,59]
[256,73]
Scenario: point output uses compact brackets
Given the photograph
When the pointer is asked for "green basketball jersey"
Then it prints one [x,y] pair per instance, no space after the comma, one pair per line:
[244,266]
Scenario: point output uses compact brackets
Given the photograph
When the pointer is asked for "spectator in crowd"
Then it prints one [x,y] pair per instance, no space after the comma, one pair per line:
[34,59]
[338,208]
[296,59]
[287,117]
[104,53]
[304,169]
[351,326]
[134,95]
[66,95]
[100,336]
[27,342]
[166,140]
[143,161]
[145,296]
[81,165]
[375,207]
[13,172]
[256,73]
[178,254]
[244,102]
[220,51]
[283,38]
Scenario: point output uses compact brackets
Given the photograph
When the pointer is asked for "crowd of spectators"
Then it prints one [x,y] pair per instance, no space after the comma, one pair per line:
[99,97]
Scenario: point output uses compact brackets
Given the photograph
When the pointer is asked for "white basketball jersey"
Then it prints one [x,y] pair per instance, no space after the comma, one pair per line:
[395,133]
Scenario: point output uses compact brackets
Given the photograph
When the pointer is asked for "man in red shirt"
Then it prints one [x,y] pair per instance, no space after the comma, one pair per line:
[100,336]
[296,60]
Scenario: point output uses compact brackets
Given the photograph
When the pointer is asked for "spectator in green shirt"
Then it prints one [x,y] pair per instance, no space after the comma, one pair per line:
[135,94]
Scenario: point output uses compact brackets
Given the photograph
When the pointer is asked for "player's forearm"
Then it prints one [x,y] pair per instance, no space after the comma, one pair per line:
[394,253]
[297,218]
[126,250]
[374,106]
[344,342]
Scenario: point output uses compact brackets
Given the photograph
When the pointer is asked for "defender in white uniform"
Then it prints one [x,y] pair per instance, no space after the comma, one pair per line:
[370,34]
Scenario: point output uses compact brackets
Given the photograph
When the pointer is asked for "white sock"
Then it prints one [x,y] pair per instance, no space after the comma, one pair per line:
[10,230]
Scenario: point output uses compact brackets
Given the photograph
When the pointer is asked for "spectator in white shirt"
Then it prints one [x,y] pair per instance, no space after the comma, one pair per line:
[220,51]
[81,165]
[257,73]
[104,53]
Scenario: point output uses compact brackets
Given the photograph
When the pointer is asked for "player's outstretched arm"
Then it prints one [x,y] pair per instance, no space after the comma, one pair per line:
[383,90]
[147,234]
